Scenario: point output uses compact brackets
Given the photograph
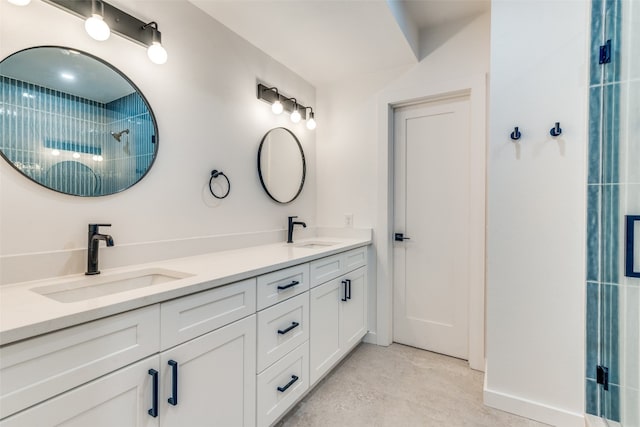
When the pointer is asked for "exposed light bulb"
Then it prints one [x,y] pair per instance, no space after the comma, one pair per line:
[295,116]
[157,54]
[76,155]
[20,2]
[277,107]
[55,152]
[311,123]
[97,28]
[100,158]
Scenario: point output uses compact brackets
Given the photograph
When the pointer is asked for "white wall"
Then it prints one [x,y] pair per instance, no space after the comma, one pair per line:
[536,210]
[204,99]
[351,169]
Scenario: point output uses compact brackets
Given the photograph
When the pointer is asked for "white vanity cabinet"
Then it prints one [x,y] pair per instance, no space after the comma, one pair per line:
[236,355]
[206,374]
[338,309]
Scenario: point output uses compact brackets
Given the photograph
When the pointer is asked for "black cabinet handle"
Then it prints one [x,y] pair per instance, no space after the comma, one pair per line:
[284,331]
[282,288]
[154,396]
[289,384]
[344,298]
[174,386]
[349,288]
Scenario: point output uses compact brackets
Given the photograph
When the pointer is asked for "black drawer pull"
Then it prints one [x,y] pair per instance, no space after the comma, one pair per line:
[154,397]
[290,285]
[349,288]
[289,384]
[174,386]
[344,298]
[284,331]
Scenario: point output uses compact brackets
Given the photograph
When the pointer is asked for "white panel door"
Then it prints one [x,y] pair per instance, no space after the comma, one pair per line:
[431,208]
[122,398]
[216,384]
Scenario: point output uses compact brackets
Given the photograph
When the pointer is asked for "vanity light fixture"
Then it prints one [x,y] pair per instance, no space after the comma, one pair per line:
[280,103]
[103,18]
[95,25]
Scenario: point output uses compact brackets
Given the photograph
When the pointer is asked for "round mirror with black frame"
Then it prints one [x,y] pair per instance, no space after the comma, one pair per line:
[74,123]
[281,165]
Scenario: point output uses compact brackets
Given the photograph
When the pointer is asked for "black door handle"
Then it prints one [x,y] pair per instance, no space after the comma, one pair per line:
[285,387]
[284,331]
[295,282]
[344,298]
[174,383]
[630,222]
[399,237]
[154,396]
[348,288]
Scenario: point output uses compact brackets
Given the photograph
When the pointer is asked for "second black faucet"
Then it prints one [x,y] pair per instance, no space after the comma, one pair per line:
[292,224]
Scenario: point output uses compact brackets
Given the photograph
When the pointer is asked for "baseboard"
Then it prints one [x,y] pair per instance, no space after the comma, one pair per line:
[371,338]
[534,410]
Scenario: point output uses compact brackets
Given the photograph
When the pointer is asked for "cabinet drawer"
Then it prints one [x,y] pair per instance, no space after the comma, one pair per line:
[188,317]
[39,368]
[292,281]
[282,328]
[355,258]
[326,269]
[274,397]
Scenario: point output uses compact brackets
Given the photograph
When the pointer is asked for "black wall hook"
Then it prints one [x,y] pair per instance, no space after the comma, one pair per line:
[556,130]
[515,135]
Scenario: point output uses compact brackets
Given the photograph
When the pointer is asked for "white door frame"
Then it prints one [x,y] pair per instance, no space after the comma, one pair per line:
[476,87]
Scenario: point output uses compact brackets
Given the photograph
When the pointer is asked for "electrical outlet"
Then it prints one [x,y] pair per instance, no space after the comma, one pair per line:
[348,220]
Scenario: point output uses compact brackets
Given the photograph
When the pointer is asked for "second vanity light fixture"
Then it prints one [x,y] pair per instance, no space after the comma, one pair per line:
[103,18]
[280,103]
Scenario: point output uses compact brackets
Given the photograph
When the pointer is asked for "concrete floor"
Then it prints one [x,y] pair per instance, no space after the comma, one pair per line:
[399,386]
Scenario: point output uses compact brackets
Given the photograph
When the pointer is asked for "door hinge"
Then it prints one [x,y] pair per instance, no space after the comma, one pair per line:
[602,376]
[605,52]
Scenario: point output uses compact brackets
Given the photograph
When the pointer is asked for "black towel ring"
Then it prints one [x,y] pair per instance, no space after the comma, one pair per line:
[214,175]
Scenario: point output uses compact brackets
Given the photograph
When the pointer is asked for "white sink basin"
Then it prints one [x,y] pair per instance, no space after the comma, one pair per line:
[314,245]
[89,287]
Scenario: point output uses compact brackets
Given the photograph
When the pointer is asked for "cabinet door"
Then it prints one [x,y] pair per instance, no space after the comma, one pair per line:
[122,398]
[324,339]
[216,379]
[354,313]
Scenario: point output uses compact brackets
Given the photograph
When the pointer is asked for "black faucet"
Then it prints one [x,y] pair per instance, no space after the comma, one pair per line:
[94,244]
[292,224]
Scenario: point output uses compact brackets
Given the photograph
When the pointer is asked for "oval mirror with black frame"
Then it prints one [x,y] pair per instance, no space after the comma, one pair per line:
[281,165]
[73,123]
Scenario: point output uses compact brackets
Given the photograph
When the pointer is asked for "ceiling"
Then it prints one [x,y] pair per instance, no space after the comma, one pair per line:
[67,71]
[330,40]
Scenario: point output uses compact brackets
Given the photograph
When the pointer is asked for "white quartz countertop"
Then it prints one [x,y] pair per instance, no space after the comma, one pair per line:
[25,313]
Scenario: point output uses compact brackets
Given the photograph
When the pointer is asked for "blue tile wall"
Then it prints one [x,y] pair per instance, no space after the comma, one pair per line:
[595,106]
[597,15]
[612,31]
[603,211]
[35,121]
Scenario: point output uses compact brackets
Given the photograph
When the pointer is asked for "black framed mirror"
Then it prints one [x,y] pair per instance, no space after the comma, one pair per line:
[281,165]
[73,123]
